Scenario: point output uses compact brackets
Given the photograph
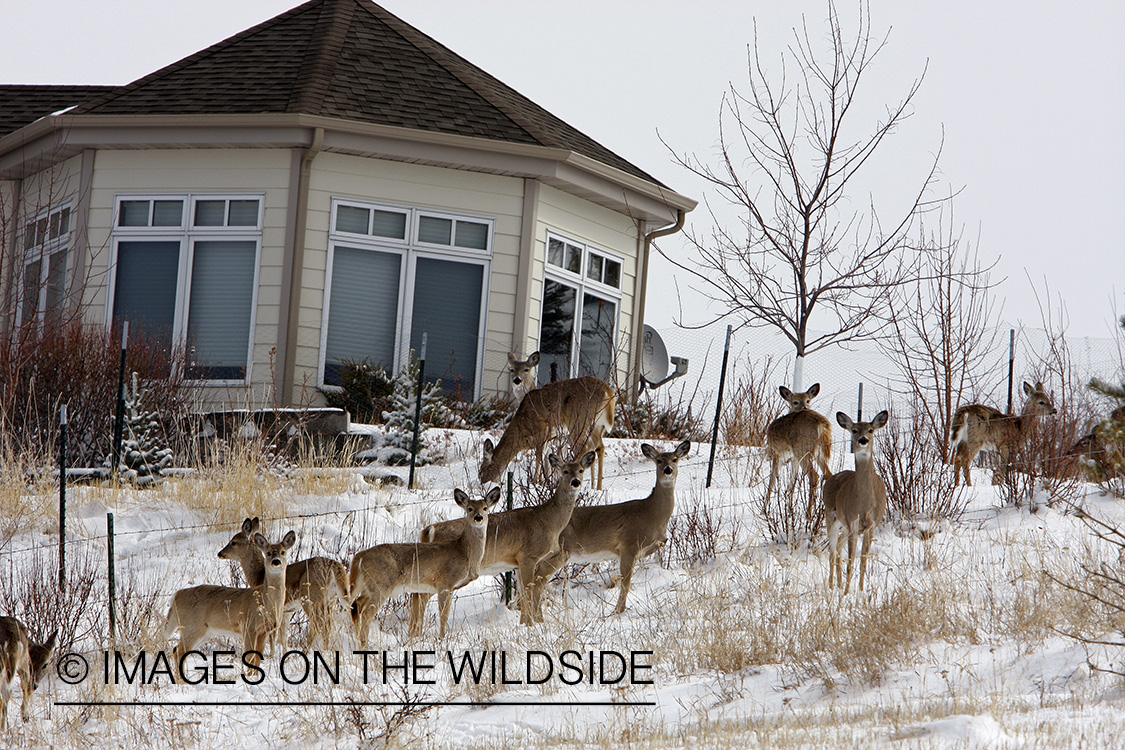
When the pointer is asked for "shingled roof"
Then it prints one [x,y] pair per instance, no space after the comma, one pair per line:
[23,105]
[349,59]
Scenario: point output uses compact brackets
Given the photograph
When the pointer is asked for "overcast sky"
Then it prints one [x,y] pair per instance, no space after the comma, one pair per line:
[1030,97]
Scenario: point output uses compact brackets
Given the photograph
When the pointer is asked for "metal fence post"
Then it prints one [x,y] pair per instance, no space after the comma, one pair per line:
[112,579]
[417,412]
[62,498]
[718,408]
[508,575]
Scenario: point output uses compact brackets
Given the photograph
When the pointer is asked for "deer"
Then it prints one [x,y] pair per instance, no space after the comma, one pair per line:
[521,375]
[584,406]
[519,539]
[1101,449]
[252,614]
[854,501]
[627,531]
[440,567]
[313,584]
[802,438]
[976,426]
[20,656]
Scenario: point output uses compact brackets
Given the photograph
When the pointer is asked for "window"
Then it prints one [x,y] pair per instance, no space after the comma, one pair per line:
[581,299]
[396,273]
[188,278]
[46,244]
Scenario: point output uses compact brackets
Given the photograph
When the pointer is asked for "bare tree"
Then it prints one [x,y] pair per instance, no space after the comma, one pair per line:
[943,329]
[791,168]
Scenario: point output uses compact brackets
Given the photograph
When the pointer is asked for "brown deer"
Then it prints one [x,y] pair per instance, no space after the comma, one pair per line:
[1102,450]
[315,584]
[250,613]
[521,375]
[854,501]
[976,426]
[519,539]
[385,570]
[584,406]
[22,657]
[803,438]
[626,531]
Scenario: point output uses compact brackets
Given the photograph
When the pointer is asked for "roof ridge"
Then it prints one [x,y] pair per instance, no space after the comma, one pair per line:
[195,57]
[414,35]
[317,69]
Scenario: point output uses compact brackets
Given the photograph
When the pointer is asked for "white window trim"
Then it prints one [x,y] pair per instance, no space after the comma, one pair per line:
[186,236]
[409,250]
[583,284]
[42,252]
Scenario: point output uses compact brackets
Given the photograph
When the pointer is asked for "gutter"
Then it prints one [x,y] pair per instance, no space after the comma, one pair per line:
[293,279]
[642,296]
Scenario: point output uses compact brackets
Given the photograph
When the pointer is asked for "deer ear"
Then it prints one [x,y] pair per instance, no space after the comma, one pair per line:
[588,459]
[49,645]
[815,389]
[260,540]
[785,392]
[844,420]
[460,496]
[683,448]
[248,527]
[649,451]
[290,539]
[1027,388]
[555,462]
[880,420]
[512,358]
[493,496]
[488,448]
[533,360]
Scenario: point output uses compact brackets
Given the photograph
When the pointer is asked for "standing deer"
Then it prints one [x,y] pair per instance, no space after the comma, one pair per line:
[315,584]
[976,426]
[1102,448]
[803,438]
[385,570]
[20,656]
[519,539]
[521,375]
[584,406]
[854,501]
[627,531]
[250,613]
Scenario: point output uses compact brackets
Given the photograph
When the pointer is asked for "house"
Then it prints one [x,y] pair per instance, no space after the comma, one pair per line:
[327,186]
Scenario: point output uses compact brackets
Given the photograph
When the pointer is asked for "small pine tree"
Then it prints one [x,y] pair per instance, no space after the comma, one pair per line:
[1112,430]
[399,418]
[364,391]
[143,458]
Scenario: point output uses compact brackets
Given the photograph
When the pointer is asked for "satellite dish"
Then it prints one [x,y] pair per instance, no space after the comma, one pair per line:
[654,356]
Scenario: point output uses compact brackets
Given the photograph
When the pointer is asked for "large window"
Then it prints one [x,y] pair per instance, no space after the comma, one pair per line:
[396,273]
[46,242]
[185,275]
[581,299]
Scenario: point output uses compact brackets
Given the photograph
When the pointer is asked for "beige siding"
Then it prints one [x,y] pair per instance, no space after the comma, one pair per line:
[600,228]
[409,185]
[179,171]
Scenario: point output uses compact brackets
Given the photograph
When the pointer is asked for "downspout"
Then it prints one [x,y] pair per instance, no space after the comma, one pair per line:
[293,274]
[642,295]
[11,262]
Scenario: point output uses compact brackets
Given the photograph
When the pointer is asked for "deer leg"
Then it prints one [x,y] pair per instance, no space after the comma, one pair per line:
[834,574]
[527,584]
[364,609]
[418,612]
[1000,474]
[867,535]
[851,532]
[5,696]
[628,563]
[601,463]
[774,467]
[445,604]
[544,572]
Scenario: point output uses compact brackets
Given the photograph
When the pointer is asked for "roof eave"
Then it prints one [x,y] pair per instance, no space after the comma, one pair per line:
[55,137]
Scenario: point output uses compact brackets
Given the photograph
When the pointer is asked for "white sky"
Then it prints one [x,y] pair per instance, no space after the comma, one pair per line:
[1030,95]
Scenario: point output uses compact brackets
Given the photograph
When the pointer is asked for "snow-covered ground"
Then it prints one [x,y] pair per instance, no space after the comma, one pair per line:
[961,640]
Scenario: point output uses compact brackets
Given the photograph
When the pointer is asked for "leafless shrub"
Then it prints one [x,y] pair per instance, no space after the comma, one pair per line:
[30,592]
[750,403]
[78,365]
[693,536]
[918,484]
[790,517]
